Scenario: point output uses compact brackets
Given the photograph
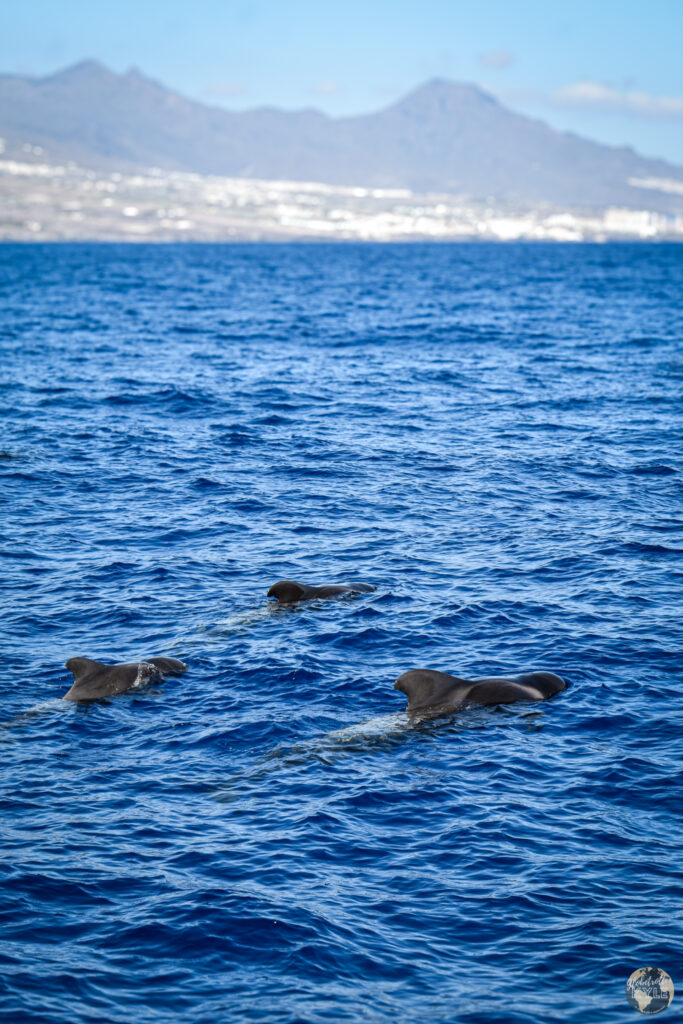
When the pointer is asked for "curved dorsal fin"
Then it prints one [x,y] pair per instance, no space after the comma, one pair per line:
[83,667]
[426,688]
[287,591]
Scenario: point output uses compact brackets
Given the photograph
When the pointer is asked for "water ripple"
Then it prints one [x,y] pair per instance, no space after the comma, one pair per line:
[486,433]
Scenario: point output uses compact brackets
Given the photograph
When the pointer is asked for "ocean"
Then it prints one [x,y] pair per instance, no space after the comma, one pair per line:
[492,436]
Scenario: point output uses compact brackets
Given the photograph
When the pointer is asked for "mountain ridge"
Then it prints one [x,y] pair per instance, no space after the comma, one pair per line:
[443,136]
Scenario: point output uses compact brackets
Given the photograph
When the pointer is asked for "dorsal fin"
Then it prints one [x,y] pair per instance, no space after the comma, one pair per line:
[426,688]
[83,667]
[287,591]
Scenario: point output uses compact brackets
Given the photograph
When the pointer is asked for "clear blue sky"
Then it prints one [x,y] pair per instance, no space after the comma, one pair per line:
[611,70]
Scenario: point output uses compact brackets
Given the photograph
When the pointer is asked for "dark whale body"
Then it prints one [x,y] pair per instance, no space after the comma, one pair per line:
[93,680]
[433,693]
[288,592]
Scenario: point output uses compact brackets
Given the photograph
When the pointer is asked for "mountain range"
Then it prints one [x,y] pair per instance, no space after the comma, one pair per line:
[444,137]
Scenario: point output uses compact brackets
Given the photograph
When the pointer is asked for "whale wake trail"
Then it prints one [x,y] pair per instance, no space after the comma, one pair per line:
[326,749]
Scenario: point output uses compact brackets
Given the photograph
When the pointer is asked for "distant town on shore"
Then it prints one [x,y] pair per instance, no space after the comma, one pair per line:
[91,154]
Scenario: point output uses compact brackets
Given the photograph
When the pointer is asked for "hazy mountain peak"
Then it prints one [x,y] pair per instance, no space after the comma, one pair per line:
[88,75]
[84,71]
[441,95]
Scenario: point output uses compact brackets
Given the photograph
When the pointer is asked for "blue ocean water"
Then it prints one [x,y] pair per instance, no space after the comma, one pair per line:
[490,434]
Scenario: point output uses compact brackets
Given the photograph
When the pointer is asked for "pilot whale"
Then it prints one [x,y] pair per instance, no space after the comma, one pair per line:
[93,680]
[435,693]
[289,592]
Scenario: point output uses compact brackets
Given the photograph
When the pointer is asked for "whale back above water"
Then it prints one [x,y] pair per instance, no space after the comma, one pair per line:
[289,592]
[437,692]
[94,680]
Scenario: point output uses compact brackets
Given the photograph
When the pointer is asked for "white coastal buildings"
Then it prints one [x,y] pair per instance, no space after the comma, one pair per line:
[42,201]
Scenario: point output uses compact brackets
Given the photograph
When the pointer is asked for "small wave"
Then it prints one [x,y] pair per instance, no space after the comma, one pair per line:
[653,469]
